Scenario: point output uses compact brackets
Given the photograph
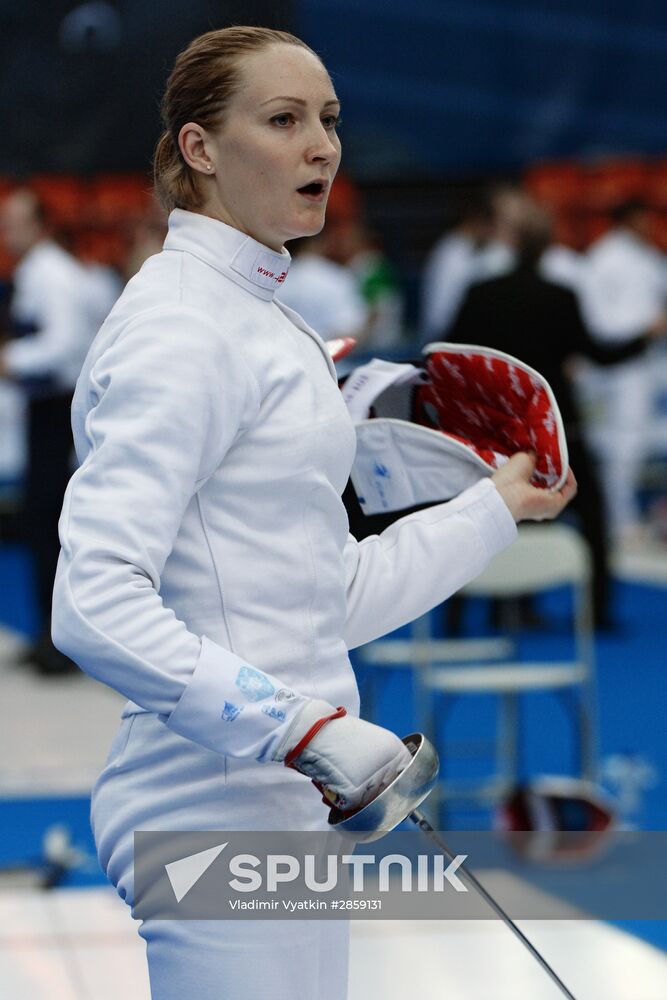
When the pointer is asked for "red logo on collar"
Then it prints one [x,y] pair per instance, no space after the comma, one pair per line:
[278,278]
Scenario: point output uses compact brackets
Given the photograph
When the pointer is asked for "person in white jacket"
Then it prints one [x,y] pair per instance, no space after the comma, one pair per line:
[623,294]
[206,569]
[53,320]
[466,253]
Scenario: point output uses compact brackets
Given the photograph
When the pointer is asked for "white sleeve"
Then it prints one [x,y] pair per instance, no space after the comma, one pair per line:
[60,340]
[421,560]
[171,396]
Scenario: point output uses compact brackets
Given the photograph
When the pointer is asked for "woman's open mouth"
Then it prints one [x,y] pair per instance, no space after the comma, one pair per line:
[313,191]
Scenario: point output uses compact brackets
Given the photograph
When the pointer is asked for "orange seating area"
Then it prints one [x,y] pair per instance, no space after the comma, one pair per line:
[94,216]
[581,195]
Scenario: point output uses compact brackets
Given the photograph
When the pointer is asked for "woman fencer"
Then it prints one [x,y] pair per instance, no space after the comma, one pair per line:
[206,569]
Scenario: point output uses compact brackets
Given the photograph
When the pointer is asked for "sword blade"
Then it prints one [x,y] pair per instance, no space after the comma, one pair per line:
[467,876]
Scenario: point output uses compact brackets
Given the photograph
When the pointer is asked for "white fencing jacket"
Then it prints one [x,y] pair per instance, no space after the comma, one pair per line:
[206,569]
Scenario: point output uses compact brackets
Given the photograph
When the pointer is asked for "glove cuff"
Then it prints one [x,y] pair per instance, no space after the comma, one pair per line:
[311,733]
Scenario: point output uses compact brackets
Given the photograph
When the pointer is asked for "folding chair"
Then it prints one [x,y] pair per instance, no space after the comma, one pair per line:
[543,557]
[420,654]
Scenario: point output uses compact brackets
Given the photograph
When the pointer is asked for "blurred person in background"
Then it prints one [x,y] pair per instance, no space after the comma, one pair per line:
[539,322]
[479,246]
[459,258]
[624,293]
[12,423]
[147,238]
[102,286]
[510,205]
[323,292]
[207,572]
[355,246]
[54,313]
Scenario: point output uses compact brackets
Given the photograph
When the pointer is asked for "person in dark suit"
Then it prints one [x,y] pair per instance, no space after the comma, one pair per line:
[540,323]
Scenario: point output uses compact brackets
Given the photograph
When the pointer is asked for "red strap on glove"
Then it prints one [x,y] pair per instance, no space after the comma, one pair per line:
[312,732]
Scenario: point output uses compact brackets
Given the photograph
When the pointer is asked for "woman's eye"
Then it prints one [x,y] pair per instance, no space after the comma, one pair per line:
[331,121]
[282,120]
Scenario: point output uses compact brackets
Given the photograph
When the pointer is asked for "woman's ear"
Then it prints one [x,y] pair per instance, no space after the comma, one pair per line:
[193,143]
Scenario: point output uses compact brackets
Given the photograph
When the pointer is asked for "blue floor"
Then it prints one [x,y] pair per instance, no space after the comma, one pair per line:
[632,678]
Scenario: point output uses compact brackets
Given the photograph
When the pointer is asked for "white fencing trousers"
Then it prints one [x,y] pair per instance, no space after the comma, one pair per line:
[622,400]
[630,411]
[156,780]
[244,959]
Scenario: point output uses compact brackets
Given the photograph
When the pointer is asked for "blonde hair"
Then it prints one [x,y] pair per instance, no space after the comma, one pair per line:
[204,78]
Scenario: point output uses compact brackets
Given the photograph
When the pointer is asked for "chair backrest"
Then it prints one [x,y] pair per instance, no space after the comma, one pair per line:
[542,557]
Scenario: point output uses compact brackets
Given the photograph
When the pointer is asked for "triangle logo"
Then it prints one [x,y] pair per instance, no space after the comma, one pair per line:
[186,872]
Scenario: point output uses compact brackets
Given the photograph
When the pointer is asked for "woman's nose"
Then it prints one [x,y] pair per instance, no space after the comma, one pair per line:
[322,147]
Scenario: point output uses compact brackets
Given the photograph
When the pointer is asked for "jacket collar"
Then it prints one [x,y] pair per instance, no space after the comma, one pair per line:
[250,264]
